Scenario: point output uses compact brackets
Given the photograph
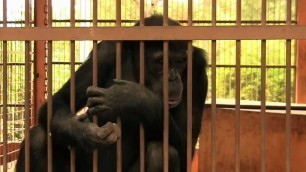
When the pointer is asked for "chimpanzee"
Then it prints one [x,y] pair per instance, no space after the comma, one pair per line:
[129,100]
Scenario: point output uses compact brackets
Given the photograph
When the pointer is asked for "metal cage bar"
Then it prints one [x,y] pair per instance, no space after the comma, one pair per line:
[237,91]
[166,92]
[95,83]
[118,76]
[4,92]
[72,80]
[27,90]
[49,88]
[95,76]
[263,90]
[213,91]
[288,91]
[189,93]
[155,33]
[142,82]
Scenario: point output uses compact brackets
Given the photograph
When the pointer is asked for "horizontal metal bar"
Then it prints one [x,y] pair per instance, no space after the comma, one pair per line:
[156,33]
[184,21]
[253,66]
[13,105]
[66,63]
[268,107]
[181,21]
[218,66]
[16,22]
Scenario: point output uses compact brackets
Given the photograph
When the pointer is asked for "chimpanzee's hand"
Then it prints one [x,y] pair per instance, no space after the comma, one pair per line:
[83,133]
[96,136]
[105,135]
[122,97]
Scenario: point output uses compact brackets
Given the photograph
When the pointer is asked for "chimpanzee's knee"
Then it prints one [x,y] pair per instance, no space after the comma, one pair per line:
[154,158]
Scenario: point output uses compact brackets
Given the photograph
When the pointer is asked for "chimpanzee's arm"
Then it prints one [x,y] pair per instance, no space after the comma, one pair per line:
[66,128]
[135,103]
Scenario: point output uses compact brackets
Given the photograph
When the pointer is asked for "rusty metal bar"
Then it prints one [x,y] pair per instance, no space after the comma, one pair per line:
[95,75]
[27,91]
[251,66]
[288,106]
[180,21]
[95,83]
[5,105]
[189,93]
[237,106]
[72,80]
[39,61]
[189,107]
[166,106]
[142,82]
[213,91]
[49,88]
[155,33]
[263,105]
[258,107]
[4,92]
[263,89]
[166,92]
[49,104]
[118,76]
[218,65]
[288,91]
[237,91]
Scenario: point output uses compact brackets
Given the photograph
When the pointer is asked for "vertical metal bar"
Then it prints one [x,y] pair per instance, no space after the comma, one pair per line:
[39,60]
[237,96]
[72,80]
[142,82]
[263,90]
[189,93]
[4,91]
[5,115]
[95,83]
[166,92]
[49,88]
[288,92]
[288,105]
[118,76]
[27,90]
[95,75]
[213,91]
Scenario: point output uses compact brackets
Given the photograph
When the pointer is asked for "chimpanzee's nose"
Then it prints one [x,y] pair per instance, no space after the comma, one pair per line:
[173,75]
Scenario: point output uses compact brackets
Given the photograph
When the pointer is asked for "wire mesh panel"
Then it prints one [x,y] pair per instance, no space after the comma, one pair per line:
[16,63]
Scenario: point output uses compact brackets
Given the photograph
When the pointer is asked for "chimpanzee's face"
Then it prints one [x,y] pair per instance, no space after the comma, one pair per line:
[154,57]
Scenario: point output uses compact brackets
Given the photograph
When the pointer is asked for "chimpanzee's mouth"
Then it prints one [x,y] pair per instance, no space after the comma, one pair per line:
[174,102]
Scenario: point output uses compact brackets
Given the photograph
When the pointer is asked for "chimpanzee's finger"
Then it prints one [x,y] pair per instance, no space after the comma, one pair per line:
[117,130]
[81,117]
[114,135]
[95,101]
[96,134]
[120,81]
[97,109]
[95,91]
